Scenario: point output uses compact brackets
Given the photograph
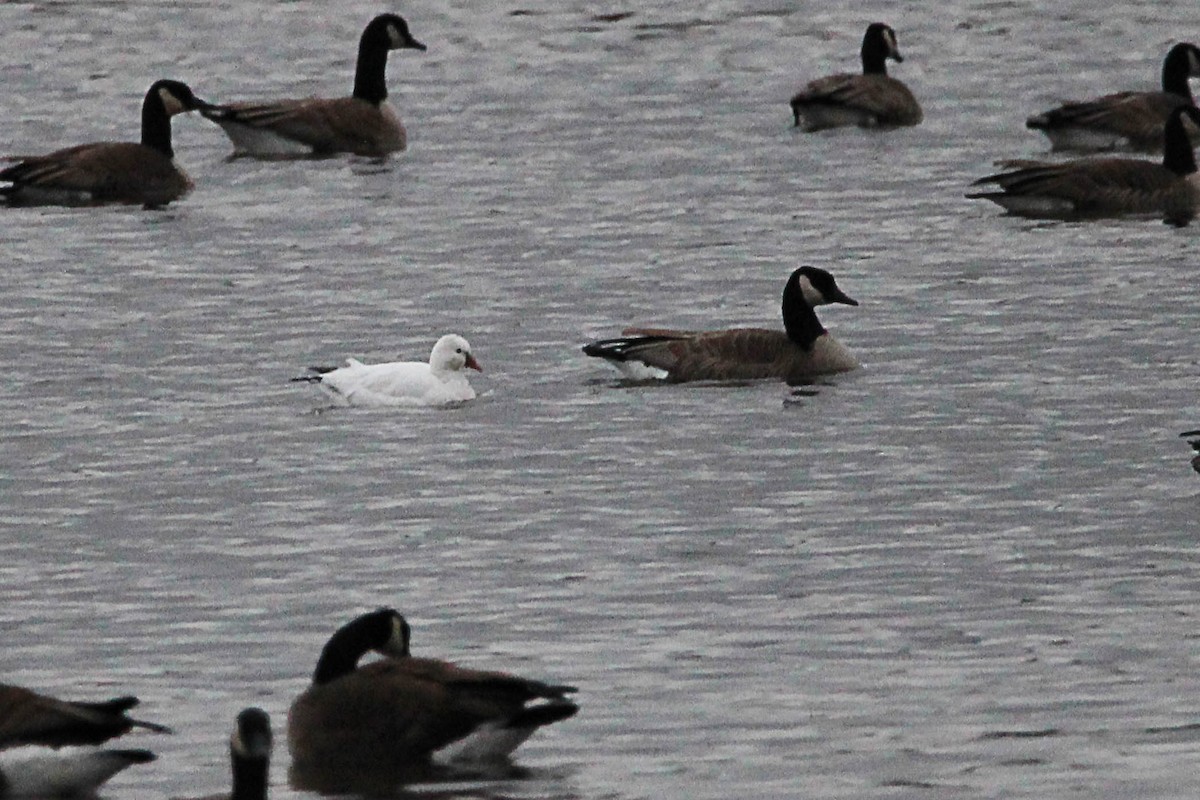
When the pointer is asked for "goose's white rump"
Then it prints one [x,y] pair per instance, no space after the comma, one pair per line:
[403,383]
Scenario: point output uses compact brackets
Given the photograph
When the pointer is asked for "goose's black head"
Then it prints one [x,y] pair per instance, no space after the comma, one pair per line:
[165,99]
[174,97]
[1182,62]
[384,631]
[391,31]
[252,735]
[879,44]
[818,287]
[250,755]
[806,288]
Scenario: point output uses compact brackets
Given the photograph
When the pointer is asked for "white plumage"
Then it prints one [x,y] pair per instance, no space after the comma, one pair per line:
[67,772]
[441,381]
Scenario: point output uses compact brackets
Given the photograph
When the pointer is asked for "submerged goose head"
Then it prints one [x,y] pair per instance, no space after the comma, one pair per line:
[879,44]
[452,353]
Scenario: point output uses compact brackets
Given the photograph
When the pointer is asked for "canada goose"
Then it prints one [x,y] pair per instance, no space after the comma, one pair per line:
[249,756]
[1126,119]
[72,771]
[1194,436]
[804,349]
[364,124]
[393,715]
[1107,186]
[398,383]
[869,100]
[111,172]
[29,718]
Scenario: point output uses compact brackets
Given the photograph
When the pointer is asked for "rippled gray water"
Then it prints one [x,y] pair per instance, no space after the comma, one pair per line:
[967,570]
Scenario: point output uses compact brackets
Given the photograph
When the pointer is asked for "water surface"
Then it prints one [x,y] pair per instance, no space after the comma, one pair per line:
[966,570]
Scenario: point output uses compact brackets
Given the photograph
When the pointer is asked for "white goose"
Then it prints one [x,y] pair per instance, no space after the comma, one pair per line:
[402,383]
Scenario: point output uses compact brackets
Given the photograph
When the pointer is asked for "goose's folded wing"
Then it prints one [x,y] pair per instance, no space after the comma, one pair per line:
[501,685]
[879,95]
[738,354]
[321,123]
[98,167]
[1139,116]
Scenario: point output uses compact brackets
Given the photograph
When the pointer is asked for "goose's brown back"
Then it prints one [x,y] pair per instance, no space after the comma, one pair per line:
[333,125]
[737,354]
[1138,117]
[884,98]
[116,172]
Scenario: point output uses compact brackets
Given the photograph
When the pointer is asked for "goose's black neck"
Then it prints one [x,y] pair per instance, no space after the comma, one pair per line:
[383,630]
[343,650]
[156,124]
[874,56]
[250,778]
[1178,155]
[370,74]
[799,319]
[1176,69]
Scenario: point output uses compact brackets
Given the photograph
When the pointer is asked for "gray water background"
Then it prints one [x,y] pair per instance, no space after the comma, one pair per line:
[966,570]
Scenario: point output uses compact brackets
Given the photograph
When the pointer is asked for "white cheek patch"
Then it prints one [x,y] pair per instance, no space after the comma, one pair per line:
[811,294]
[170,102]
[1194,62]
[394,36]
[397,640]
[890,37]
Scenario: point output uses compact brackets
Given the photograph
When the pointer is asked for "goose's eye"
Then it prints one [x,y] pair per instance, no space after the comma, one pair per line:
[458,350]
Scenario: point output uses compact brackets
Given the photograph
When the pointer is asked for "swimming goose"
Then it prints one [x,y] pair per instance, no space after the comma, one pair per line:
[29,718]
[72,771]
[1126,119]
[1107,186]
[364,124]
[399,383]
[111,172]
[249,756]
[869,100]
[804,348]
[394,714]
